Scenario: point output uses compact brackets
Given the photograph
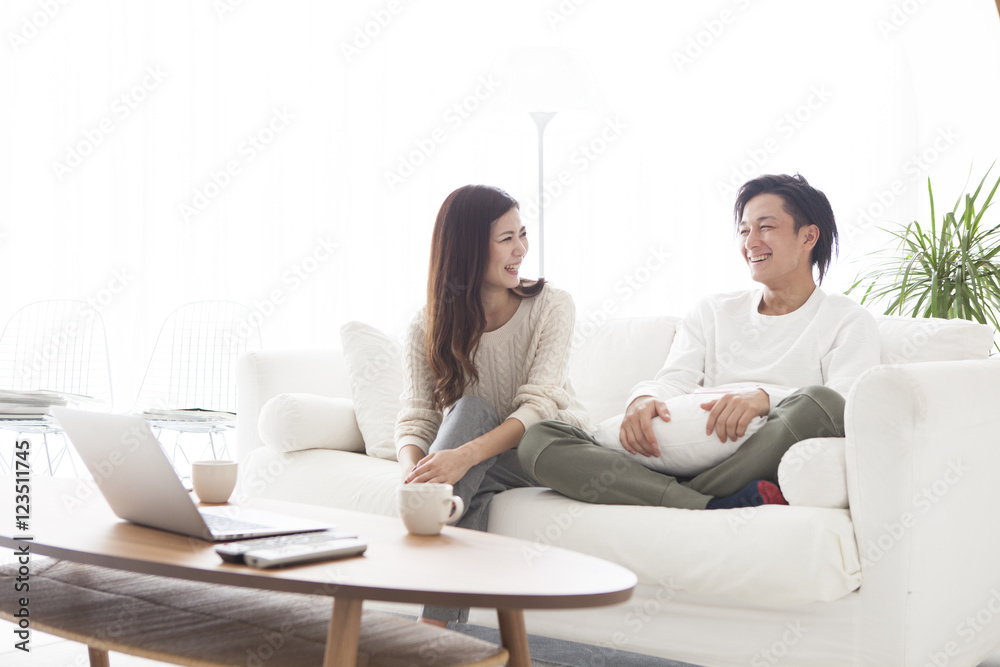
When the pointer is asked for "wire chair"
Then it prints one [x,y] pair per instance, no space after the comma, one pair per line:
[190,383]
[58,346]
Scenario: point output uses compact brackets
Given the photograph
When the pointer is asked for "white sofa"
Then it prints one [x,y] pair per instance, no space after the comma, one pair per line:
[910,575]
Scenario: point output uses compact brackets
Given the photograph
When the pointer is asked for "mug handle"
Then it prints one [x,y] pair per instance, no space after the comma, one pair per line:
[457,507]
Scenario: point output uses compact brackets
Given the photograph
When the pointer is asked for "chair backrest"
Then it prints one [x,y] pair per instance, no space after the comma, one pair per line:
[57,345]
[193,363]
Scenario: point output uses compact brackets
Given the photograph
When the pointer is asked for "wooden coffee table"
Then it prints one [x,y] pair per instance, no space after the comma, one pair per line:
[461,568]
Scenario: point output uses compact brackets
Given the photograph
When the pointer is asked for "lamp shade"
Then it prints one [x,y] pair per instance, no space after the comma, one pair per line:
[546,79]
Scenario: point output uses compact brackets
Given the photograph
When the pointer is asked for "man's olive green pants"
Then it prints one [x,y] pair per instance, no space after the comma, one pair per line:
[570,461]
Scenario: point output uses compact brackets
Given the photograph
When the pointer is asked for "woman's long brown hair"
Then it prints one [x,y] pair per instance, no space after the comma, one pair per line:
[460,252]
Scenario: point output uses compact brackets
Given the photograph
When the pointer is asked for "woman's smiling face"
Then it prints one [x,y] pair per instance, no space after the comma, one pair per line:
[508,246]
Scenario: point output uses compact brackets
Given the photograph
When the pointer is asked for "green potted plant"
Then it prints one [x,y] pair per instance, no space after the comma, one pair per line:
[949,268]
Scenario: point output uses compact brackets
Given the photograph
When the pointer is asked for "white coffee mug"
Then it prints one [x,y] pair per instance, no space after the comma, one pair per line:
[214,481]
[426,508]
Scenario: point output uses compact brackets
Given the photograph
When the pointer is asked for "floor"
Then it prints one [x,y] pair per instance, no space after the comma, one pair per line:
[49,651]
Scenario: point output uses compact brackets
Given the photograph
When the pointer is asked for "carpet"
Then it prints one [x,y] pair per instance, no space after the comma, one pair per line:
[547,652]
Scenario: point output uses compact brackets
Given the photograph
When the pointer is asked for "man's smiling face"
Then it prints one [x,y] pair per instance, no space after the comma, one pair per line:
[776,253]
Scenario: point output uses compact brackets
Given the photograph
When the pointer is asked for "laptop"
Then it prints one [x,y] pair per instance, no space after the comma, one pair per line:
[141,486]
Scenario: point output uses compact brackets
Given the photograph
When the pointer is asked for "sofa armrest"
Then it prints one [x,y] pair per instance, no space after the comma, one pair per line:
[264,374]
[923,463]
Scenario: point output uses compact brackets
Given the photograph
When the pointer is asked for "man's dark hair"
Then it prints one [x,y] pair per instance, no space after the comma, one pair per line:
[806,205]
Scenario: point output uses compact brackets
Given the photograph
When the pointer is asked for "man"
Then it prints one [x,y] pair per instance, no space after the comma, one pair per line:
[794,351]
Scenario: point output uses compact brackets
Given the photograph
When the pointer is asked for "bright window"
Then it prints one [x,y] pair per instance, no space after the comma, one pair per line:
[162,152]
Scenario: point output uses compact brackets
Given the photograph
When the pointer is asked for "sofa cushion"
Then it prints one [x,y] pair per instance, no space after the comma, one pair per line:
[346,480]
[908,339]
[610,358]
[761,556]
[375,371]
[813,473]
[292,422]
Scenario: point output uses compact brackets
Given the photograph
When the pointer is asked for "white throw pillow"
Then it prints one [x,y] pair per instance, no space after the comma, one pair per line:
[375,372]
[292,422]
[609,358]
[685,449]
[813,473]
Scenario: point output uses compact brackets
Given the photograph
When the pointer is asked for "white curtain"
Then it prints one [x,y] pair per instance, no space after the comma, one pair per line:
[292,155]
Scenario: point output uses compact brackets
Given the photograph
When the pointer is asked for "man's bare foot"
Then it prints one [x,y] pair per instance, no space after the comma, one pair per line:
[433,621]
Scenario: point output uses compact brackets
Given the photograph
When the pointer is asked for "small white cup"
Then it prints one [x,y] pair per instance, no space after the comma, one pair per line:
[426,508]
[214,481]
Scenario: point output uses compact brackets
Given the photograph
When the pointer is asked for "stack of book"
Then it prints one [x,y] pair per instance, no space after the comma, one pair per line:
[189,415]
[34,405]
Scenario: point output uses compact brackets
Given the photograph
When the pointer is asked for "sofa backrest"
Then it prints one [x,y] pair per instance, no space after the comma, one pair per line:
[909,340]
[609,359]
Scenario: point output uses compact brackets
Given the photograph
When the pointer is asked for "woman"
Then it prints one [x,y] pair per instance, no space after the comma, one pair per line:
[486,359]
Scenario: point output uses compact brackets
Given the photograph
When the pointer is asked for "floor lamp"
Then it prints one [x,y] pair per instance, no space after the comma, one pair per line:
[542,119]
[544,81]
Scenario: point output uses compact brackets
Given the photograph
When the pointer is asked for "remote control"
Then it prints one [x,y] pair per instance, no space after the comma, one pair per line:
[293,554]
[232,552]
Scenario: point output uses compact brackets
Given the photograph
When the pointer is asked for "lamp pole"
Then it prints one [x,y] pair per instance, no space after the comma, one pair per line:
[542,119]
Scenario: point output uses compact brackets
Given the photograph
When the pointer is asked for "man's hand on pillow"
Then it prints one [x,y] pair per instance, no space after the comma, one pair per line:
[636,434]
[730,415]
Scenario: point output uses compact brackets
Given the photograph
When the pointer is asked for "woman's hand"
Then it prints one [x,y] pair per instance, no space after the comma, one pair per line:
[444,467]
